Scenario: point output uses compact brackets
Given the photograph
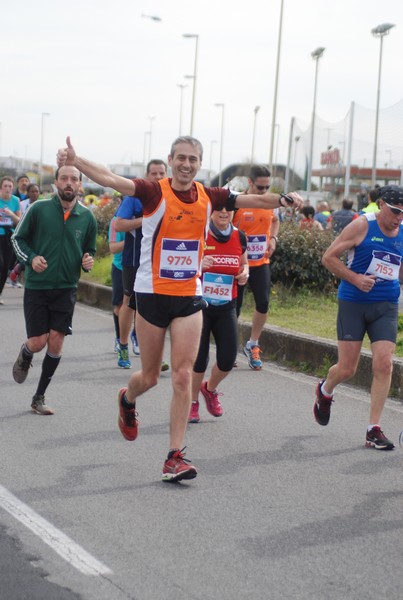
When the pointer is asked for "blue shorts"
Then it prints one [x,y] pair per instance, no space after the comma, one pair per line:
[377,319]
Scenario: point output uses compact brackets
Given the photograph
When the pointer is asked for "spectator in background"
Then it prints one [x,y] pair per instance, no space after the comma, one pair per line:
[372,206]
[322,213]
[32,196]
[340,218]
[10,214]
[21,190]
[308,220]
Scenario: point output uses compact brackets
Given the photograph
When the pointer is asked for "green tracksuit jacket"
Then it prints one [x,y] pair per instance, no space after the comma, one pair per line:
[43,232]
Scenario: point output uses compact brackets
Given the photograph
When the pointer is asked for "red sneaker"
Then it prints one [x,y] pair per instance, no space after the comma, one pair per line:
[212,402]
[128,422]
[194,413]
[177,467]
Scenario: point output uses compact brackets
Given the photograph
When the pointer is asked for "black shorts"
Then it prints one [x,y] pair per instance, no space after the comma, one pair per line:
[129,277]
[160,310]
[378,319]
[49,309]
[117,286]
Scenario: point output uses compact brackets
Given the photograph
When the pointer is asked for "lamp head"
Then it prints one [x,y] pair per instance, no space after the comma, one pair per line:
[316,54]
[382,30]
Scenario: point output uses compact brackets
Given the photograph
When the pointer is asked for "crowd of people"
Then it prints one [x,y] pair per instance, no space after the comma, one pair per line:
[183,254]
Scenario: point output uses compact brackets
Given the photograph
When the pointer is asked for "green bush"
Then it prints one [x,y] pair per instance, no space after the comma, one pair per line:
[297,262]
[103,215]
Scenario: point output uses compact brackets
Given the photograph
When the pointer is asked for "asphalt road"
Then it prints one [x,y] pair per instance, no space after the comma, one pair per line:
[282,508]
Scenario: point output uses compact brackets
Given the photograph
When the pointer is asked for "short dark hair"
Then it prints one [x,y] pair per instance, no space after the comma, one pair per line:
[22,176]
[31,185]
[58,169]
[347,203]
[187,139]
[308,211]
[258,171]
[155,161]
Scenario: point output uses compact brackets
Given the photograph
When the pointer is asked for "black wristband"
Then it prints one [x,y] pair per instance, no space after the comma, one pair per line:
[288,199]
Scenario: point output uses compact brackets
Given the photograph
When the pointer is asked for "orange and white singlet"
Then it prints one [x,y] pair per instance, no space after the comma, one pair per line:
[256,223]
[172,244]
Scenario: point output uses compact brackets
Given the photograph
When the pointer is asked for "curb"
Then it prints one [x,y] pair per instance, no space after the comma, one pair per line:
[277,344]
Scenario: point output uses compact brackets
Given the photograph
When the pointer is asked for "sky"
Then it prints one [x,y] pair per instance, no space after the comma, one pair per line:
[106,74]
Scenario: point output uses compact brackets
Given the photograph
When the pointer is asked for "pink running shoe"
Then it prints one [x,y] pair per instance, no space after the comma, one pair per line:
[194,413]
[212,402]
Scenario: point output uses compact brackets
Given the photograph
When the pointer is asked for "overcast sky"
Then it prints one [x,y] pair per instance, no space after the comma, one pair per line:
[101,70]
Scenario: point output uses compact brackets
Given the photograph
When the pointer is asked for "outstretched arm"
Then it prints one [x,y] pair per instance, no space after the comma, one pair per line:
[98,173]
[268,200]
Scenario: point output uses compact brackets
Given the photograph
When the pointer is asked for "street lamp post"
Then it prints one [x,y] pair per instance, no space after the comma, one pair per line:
[44,114]
[181,86]
[146,134]
[316,54]
[273,120]
[296,140]
[151,119]
[222,106]
[196,37]
[252,154]
[212,142]
[379,31]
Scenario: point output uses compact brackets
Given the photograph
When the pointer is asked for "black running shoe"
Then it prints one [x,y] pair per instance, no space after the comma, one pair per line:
[378,440]
[21,367]
[321,408]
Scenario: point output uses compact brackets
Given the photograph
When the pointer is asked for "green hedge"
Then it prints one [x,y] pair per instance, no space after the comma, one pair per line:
[297,262]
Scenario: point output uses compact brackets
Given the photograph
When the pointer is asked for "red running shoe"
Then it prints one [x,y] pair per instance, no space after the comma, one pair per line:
[177,467]
[212,402]
[322,406]
[128,422]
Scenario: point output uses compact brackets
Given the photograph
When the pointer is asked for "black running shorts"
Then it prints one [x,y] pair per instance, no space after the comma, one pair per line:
[160,310]
[49,309]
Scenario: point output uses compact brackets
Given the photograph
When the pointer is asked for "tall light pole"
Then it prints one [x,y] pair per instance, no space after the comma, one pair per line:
[273,120]
[316,54]
[222,106]
[296,140]
[379,31]
[146,134]
[212,142]
[252,154]
[196,37]
[181,86]
[44,114]
[151,119]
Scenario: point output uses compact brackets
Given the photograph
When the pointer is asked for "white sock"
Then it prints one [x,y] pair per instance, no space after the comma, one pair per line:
[370,427]
[324,392]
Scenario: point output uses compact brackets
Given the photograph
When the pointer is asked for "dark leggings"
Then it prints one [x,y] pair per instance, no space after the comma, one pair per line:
[260,284]
[222,323]
[6,255]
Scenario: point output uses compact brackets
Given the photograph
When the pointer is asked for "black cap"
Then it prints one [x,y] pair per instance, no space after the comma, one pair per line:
[392,194]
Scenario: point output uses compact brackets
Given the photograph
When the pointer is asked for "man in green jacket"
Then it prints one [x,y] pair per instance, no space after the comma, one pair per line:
[55,240]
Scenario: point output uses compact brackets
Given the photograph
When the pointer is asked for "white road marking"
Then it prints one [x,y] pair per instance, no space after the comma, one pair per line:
[56,539]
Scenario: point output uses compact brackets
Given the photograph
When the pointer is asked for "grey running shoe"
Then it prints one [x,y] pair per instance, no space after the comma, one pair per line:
[39,407]
[21,367]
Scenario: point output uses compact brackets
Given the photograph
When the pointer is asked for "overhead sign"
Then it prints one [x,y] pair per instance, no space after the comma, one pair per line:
[331,157]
